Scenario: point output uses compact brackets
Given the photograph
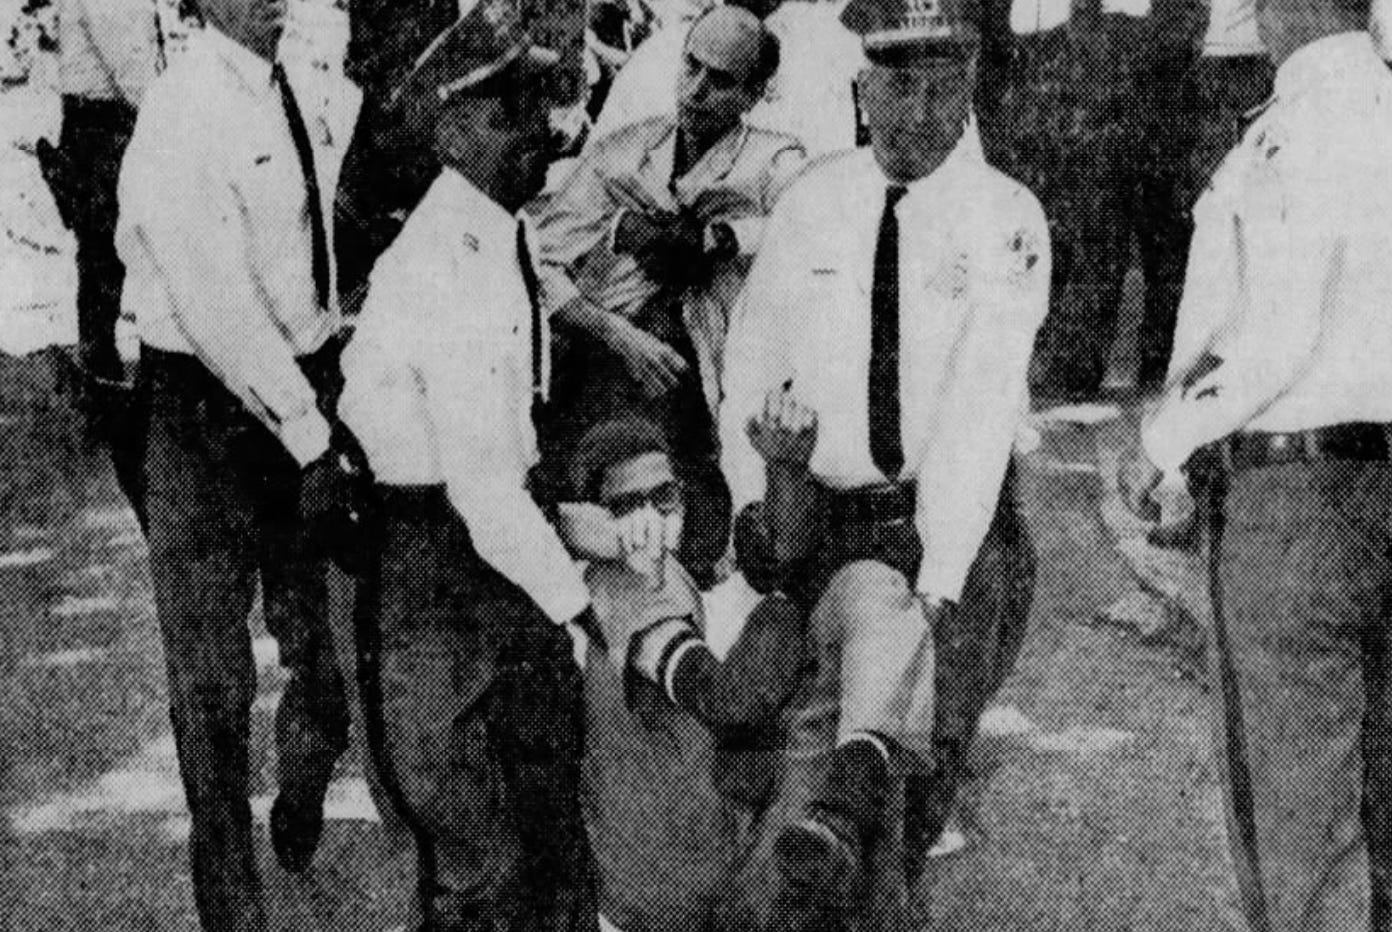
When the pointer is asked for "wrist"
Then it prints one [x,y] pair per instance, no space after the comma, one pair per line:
[306,437]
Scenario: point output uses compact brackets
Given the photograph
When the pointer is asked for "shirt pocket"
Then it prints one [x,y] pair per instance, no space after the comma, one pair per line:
[270,188]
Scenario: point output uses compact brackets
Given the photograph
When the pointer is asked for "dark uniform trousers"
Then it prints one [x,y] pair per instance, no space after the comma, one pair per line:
[1117,124]
[82,174]
[593,385]
[1301,576]
[474,710]
[224,506]
[975,645]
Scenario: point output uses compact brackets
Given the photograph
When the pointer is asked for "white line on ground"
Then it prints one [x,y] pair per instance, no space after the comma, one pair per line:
[1010,722]
[71,606]
[20,558]
[66,658]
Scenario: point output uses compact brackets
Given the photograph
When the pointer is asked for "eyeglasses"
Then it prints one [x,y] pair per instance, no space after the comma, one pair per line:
[666,498]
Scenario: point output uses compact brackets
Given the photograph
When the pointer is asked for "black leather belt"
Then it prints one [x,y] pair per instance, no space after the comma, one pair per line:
[413,500]
[890,503]
[1355,443]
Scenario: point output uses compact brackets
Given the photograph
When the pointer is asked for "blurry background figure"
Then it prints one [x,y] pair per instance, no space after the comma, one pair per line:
[1084,105]
[615,29]
[643,252]
[110,51]
[810,97]
[38,280]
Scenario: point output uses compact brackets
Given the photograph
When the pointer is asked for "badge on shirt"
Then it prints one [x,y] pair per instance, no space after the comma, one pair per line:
[948,277]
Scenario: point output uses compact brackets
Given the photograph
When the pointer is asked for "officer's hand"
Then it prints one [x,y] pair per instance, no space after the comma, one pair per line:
[323,490]
[588,531]
[1137,479]
[655,365]
[934,611]
[332,504]
[785,430]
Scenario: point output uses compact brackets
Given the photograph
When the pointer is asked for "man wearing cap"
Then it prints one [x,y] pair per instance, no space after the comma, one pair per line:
[470,683]
[109,52]
[811,97]
[229,279]
[644,250]
[385,174]
[1277,407]
[895,300]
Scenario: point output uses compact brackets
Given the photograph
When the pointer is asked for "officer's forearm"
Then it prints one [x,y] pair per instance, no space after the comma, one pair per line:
[584,315]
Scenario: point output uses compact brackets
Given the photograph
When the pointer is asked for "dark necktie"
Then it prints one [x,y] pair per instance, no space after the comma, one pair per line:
[319,240]
[886,446]
[529,278]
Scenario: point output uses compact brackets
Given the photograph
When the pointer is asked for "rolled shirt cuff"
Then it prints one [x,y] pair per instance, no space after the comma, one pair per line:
[306,437]
[1165,442]
[938,582]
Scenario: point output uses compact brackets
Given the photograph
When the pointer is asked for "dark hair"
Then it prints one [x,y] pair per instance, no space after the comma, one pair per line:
[607,444]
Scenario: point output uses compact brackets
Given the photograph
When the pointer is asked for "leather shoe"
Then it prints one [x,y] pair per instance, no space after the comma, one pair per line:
[297,822]
[819,857]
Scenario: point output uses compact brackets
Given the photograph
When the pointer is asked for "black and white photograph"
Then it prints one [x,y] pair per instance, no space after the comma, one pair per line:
[696,465]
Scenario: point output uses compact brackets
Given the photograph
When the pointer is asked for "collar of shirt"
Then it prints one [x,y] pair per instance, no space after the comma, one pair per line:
[253,70]
[480,215]
[1322,62]
[662,156]
[967,151]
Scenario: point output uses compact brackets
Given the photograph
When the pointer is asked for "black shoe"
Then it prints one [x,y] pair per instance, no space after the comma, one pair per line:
[819,861]
[297,822]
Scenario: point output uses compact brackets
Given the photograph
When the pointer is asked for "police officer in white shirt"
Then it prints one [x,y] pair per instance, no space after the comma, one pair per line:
[1282,382]
[896,298]
[228,276]
[473,692]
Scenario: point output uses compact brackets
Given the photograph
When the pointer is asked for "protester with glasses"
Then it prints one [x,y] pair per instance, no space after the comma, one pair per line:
[679,743]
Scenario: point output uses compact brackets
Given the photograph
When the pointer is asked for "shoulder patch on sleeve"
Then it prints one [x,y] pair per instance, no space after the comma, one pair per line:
[1023,254]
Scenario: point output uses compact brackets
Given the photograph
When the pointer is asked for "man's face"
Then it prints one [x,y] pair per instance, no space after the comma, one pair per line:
[716,84]
[256,24]
[644,481]
[916,114]
[507,137]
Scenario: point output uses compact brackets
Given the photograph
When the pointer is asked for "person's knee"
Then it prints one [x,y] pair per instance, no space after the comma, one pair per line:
[864,589]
